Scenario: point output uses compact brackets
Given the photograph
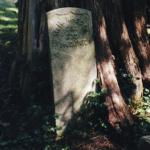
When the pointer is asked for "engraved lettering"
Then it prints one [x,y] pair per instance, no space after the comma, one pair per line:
[63,45]
[80,43]
[71,29]
[60,24]
[84,29]
[80,22]
[76,20]
[56,33]
[71,36]
[85,42]
[73,44]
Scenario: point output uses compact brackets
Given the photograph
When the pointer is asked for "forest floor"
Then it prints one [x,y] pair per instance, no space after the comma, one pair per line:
[83,139]
[96,140]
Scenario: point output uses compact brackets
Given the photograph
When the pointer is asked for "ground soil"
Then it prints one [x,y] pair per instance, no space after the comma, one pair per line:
[99,140]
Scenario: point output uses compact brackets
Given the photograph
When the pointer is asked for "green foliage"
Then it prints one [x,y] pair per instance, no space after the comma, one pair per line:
[141,125]
[127,86]
[56,116]
[96,81]
[31,128]
[8,23]
[94,103]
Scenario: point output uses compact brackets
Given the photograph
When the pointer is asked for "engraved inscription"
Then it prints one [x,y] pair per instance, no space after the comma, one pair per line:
[60,24]
[71,36]
[71,31]
[73,44]
[72,56]
[78,21]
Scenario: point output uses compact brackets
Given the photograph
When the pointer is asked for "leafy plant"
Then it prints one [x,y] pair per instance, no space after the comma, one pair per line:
[127,86]
[94,103]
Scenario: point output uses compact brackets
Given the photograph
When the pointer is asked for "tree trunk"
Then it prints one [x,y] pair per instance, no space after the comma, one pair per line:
[119,34]
[121,43]
[136,21]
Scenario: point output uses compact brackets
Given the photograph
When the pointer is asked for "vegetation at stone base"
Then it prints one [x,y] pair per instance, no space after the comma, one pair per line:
[97,108]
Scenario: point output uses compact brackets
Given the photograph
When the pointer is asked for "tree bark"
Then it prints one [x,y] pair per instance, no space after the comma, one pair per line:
[136,21]
[121,43]
[118,112]
[119,33]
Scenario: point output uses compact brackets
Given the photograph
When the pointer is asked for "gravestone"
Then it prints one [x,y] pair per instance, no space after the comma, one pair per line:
[72,55]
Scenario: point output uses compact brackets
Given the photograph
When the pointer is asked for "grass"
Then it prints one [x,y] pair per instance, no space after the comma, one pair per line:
[8,21]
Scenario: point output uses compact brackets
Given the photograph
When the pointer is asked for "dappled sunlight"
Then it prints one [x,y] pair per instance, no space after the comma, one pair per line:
[131,61]
[103,33]
[73,61]
[116,111]
[112,82]
[14,10]
[126,47]
[8,18]
[124,35]
[139,25]
[2,12]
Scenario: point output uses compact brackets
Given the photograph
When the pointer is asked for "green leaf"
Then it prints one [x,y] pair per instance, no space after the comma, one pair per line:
[47,147]
[146,90]
[90,93]
[36,132]
[34,106]
[46,118]
[146,97]
[137,78]
[47,123]
[58,128]
[124,75]
[105,104]
[56,116]
[15,141]
[103,90]
[3,143]
[96,81]
[44,127]
[52,129]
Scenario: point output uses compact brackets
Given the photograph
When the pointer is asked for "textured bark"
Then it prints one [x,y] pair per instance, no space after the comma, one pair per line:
[121,43]
[136,21]
[119,33]
[118,112]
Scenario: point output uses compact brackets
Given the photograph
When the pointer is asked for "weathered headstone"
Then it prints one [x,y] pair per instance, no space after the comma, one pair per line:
[72,60]
[144,143]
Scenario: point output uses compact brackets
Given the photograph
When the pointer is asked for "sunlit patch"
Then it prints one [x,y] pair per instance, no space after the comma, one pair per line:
[8,27]
[124,35]
[2,12]
[8,18]
[103,34]
[148,30]
[139,25]
[12,9]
